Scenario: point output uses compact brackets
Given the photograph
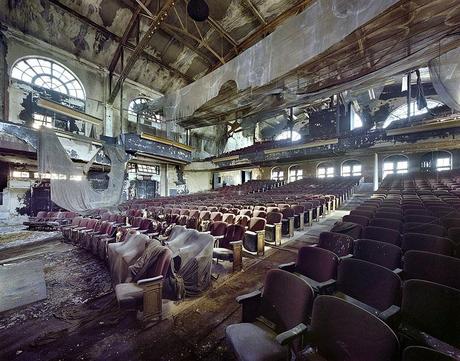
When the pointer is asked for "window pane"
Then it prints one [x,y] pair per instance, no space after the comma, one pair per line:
[388,166]
[401,165]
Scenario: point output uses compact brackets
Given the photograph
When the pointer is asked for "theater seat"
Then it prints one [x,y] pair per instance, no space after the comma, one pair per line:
[340,244]
[343,331]
[382,235]
[284,304]
[381,253]
[427,242]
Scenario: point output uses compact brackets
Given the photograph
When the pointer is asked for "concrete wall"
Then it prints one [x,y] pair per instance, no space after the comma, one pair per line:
[198,181]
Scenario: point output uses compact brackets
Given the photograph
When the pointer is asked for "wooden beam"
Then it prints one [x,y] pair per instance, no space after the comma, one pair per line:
[124,39]
[116,38]
[255,11]
[154,25]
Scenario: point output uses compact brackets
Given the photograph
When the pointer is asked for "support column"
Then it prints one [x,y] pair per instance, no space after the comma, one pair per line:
[376,171]
[164,180]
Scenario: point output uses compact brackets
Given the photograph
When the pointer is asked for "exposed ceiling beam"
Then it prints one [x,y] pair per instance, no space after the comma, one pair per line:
[124,39]
[115,37]
[137,52]
[214,24]
[174,29]
[255,11]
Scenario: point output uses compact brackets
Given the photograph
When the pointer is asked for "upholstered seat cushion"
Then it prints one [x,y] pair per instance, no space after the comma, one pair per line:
[254,342]
[222,253]
[129,295]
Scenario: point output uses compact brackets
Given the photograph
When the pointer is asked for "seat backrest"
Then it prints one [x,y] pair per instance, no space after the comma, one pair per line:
[432,308]
[340,244]
[427,228]
[388,215]
[274,217]
[242,220]
[363,221]
[84,222]
[432,267]
[287,212]
[420,353]
[386,223]
[426,242]
[245,212]
[272,209]
[317,263]
[416,212]
[298,209]
[369,283]
[228,218]
[256,224]
[218,228]
[418,218]
[286,300]
[234,232]
[260,214]
[76,221]
[367,214]
[343,331]
[205,215]
[381,253]
[382,234]
[450,222]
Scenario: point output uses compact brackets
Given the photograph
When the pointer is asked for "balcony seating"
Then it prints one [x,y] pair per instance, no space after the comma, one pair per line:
[343,331]
[317,266]
[431,267]
[430,316]
[285,303]
[340,244]
[381,253]
[229,248]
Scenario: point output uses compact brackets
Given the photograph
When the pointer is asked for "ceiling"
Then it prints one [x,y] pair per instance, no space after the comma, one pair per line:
[178,52]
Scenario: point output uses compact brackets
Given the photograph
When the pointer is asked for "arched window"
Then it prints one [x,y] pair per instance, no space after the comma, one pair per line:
[436,161]
[138,111]
[325,170]
[277,174]
[401,112]
[351,168]
[395,164]
[287,135]
[48,74]
[295,173]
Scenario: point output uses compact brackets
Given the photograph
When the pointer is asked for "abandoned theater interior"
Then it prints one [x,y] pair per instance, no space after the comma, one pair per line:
[251,180]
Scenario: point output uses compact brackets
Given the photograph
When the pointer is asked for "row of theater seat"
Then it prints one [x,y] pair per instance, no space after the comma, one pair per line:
[49,220]
[420,303]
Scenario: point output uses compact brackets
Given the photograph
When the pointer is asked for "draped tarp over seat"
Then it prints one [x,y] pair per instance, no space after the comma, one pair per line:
[70,188]
[192,254]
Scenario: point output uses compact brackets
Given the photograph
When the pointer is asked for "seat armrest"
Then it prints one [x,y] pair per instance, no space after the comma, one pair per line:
[327,287]
[255,295]
[345,257]
[398,271]
[289,267]
[269,226]
[146,281]
[219,237]
[289,336]
[142,230]
[235,243]
[251,305]
[390,314]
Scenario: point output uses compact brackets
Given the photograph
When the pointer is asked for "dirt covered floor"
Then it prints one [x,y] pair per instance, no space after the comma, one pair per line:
[80,319]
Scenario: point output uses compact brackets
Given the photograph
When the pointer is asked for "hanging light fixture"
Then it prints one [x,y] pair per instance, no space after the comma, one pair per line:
[198,10]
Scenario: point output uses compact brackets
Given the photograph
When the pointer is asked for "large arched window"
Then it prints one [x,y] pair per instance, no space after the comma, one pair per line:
[401,111]
[277,174]
[351,168]
[436,161]
[325,170]
[48,74]
[138,111]
[295,173]
[395,164]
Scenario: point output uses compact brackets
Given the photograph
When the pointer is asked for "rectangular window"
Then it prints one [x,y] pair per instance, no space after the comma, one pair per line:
[346,171]
[41,120]
[401,167]
[330,172]
[442,164]
[321,172]
[356,170]
[19,174]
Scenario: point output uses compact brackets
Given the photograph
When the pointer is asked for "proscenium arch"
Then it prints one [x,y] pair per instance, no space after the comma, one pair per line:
[53,75]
